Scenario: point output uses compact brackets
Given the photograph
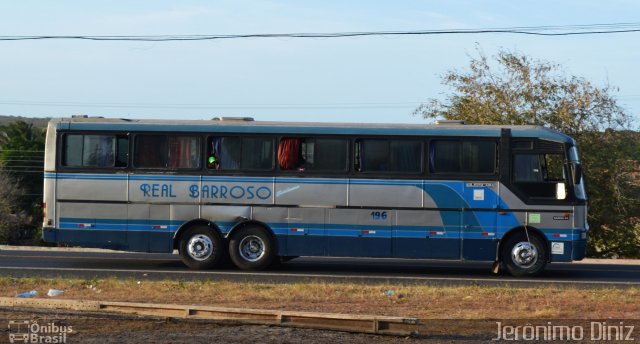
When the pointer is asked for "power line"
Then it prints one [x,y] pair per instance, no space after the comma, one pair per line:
[22,150]
[557,30]
[12,167]
[22,160]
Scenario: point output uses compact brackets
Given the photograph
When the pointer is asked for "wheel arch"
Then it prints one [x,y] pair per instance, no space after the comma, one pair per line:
[520,229]
[195,222]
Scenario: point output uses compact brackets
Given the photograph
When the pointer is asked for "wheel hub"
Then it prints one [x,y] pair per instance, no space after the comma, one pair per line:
[200,247]
[524,254]
[252,248]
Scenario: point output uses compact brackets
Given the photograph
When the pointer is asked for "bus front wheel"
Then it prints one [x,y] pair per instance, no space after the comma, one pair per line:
[251,248]
[201,248]
[524,256]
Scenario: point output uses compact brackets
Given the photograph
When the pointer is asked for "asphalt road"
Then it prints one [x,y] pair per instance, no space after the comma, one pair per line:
[88,265]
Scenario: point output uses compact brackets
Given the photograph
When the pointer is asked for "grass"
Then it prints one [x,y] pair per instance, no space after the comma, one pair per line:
[423,301]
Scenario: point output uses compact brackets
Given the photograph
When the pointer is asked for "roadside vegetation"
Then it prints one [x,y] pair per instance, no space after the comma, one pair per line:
[422,301]
[21,180]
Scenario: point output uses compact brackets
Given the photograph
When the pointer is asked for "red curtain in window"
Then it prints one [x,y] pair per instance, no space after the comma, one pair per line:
[289,153]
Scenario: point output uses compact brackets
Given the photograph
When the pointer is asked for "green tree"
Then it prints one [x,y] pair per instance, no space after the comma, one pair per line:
[22,158]
[11,218]
[513,89]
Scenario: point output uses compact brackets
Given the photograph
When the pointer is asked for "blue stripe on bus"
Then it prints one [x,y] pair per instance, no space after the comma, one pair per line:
[342,230]
[388,234]
[131,221]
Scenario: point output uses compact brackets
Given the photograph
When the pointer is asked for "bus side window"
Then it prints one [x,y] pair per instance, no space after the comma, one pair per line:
[167,152]
[537,175]
[379,155]
[257,153]
[239,153]
[313,154]
[90,151]
[467,156]
[224,153]
[150,151]
[183,152]
[325,154]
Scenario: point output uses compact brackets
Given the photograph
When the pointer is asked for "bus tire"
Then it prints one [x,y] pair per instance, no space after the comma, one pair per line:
[522,257]
[201,248]
[251,248]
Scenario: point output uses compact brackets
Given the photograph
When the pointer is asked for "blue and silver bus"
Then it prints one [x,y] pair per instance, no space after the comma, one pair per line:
[257,192]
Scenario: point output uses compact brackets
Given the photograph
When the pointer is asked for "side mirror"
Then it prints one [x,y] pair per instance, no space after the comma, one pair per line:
[577,173]
[561,191]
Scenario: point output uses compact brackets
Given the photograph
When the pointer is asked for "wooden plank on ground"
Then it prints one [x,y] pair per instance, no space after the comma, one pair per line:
[325,321]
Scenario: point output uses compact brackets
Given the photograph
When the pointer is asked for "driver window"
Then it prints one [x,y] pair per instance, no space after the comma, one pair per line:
[538,174]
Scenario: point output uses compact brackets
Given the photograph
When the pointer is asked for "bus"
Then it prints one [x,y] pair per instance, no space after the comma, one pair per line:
[257,192]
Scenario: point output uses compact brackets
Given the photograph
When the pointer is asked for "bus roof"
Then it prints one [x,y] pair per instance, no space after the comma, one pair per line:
[304,128]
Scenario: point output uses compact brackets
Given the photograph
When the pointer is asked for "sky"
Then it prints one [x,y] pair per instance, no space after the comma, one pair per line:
[367,79]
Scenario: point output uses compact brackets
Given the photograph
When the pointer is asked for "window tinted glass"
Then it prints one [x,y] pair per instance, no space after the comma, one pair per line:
[526,168]
[73,150]
[122,151]
[224,153]
[449,156]
[99,150]
[445,156]
[95,151]
[375,155]
[235,153]
[528,144]
[312,154]
[328,155]
[405,156]
[402,156]
[170,152]
[150,151]
[257,153]
[183,152]
[478,156]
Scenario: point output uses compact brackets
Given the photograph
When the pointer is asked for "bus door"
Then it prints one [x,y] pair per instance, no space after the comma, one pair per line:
[306,233]
[479,222]
[359,232]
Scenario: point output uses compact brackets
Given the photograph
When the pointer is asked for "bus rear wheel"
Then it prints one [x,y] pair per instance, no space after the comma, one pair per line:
[201,248]
[524,256]
[251,248]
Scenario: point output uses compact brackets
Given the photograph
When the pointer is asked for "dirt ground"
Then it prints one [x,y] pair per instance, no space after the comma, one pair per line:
[99,329]
[103,328]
